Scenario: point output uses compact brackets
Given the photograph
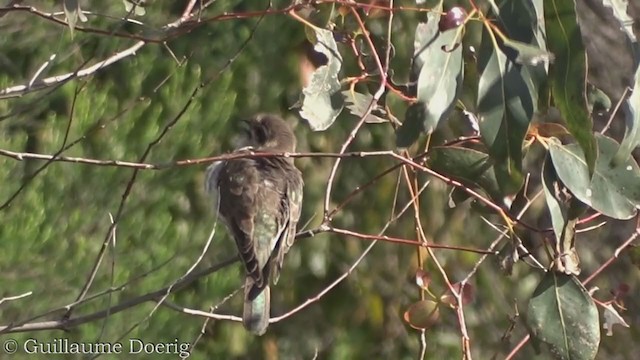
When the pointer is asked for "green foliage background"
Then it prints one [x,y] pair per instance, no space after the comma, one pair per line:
[51,232]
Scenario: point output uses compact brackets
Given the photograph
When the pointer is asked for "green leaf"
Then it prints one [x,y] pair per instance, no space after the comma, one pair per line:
[472,168]
[413,125]
[505,108]
[358,103]
[513,69]
[597,99]
[565,211]
[529,54]
[562,315]
[632,111]
[531,30]
[613,191]
[322,101]
[438,66]
[568,73]
[552,189]
[524,42]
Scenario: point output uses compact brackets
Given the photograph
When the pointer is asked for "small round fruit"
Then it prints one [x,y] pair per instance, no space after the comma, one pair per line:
[452,18]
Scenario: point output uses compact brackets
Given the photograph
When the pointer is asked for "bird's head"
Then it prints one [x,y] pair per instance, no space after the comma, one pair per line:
[270,132]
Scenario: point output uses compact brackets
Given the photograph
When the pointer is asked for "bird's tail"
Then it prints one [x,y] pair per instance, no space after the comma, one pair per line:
[255,316]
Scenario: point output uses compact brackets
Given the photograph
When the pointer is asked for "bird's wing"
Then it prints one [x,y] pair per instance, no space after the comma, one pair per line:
[238,188]
[212,177]
[211,182]
[249,198]
[292,205]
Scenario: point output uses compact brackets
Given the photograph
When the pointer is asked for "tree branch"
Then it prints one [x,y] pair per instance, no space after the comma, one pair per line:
[124,305]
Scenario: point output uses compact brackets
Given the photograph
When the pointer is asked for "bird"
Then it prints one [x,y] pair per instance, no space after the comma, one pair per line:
[259,200]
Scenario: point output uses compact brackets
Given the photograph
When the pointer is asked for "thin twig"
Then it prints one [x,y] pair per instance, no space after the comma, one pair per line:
[19,90]
[356,128]
[16,297]
[124,305]
[406,241]
[20,156]
[615,110]
[95,296]
[207,320]
[606,264]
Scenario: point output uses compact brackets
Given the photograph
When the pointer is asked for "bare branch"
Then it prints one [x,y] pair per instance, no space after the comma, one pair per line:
[19,90]
[16,297]
[152,296]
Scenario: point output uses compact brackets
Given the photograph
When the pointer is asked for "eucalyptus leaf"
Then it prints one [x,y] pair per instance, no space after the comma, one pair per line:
[505,108]
[563,209]
[524,21]
[513,68]
[472,168]
[412,126]
[551,185]
[597,99]
[358,103]
[322,101]
[563,315]
[524,40]
[567,75]
[529,54]
[613,190]
[437,67]
[632,114]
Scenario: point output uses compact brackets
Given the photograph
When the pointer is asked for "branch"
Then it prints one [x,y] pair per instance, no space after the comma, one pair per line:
[19,90]
[152,296]
[20,156]
[252,155]
[170,31]
[408,241]
[352,135]
[606,264]
[15,297]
